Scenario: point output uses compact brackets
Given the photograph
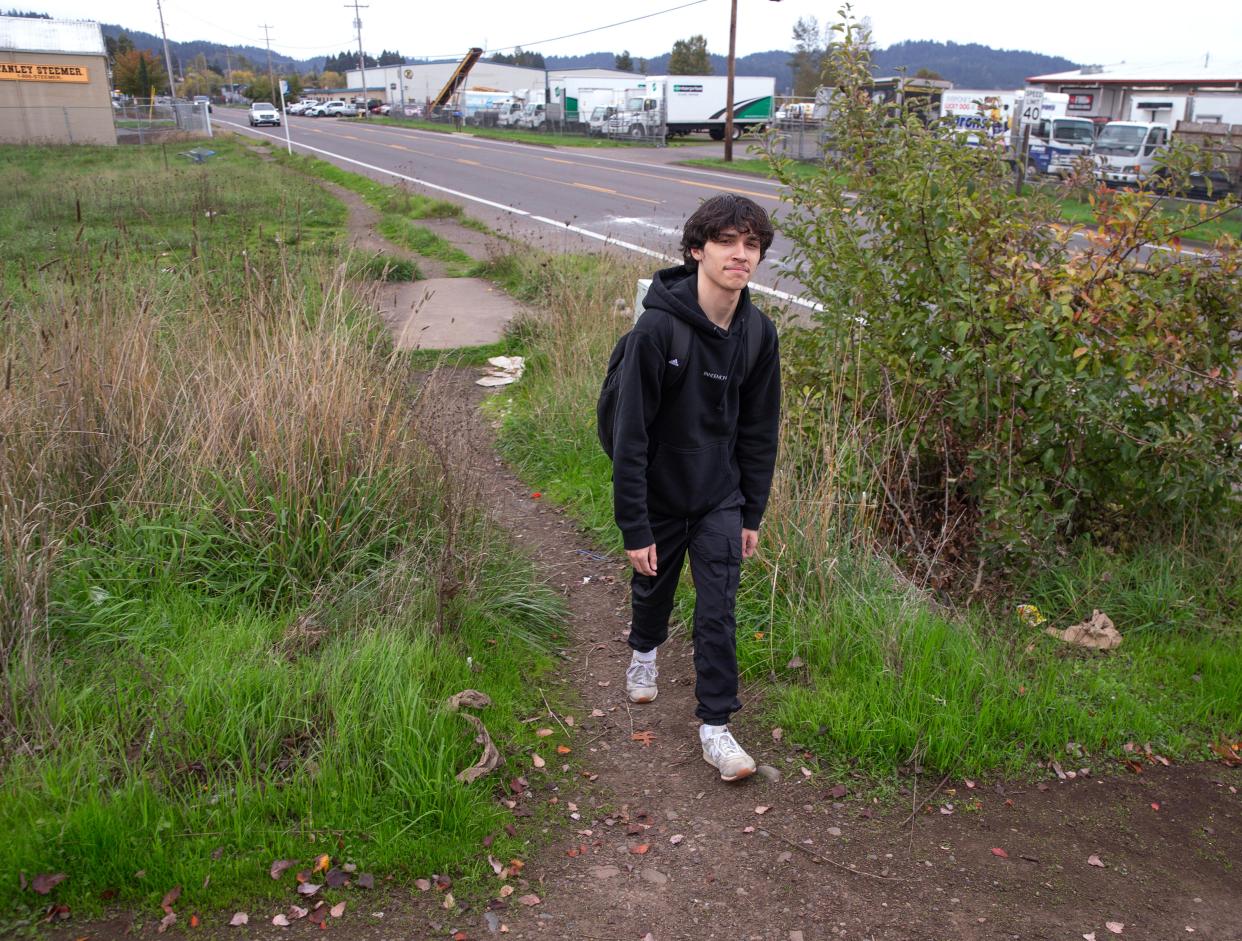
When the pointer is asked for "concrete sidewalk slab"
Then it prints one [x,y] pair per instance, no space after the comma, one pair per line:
[443,313]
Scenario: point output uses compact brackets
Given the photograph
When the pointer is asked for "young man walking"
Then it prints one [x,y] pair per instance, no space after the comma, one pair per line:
[694,446]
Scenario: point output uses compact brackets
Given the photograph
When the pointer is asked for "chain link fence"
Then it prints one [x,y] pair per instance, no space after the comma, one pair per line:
[649,127]
[799,139]
[139,120]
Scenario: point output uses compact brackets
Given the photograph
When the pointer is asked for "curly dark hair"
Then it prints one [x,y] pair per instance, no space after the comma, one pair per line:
[726,211]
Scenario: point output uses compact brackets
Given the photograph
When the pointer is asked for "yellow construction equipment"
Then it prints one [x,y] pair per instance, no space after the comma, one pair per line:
[458,79]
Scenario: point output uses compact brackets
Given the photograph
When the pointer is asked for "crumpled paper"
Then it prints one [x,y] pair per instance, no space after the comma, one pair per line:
[1098,633]
[505,370]
[490,760]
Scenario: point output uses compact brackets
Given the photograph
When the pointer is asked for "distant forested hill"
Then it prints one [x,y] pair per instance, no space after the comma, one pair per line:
[212,51]
[967,66]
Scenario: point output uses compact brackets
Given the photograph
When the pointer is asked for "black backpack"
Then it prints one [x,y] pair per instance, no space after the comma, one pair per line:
[683,335]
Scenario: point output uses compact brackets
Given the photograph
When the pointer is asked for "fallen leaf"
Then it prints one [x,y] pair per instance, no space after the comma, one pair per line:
[676,838]
[303,875]
[597,713]
[516,865]
[641,849]
[536,495]
[167,922]
[762,809]
[194,921]
[280,921]
[1089,936]
[997,851]
[837,792]
[970,783]
[777,734]
[461,936]
[46,882]
[531,899]
[321,863]
[280,866]
[239,919]
[537,761]
[338,910]
[1114,926]
[760,635]
[563,749]
[543,733]
[1155,806]
[308,888]
[296,912]
[366,881]
[449,902]
[748,829]
[335,878]
[170,897]
[423,885]
[569,721]
[1094,860]
[506,891]
[806,772]
[643,738]
[794,664]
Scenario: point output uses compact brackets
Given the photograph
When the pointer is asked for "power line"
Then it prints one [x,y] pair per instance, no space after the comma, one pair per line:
[597,29]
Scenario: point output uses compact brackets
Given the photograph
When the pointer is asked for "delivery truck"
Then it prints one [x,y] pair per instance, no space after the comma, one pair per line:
[574,99]
[683,104]
[1056,140]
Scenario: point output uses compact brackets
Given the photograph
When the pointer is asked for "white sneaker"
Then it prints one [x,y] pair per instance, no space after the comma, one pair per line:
[721,750]
[640,680]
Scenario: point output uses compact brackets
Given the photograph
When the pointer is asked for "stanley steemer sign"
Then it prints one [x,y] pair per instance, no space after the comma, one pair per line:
[33,72]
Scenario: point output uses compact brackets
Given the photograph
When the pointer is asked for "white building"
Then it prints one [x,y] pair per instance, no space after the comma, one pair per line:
[415,84]
[1165,93]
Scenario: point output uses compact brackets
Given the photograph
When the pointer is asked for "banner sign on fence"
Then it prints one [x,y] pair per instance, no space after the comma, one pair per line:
[34,72]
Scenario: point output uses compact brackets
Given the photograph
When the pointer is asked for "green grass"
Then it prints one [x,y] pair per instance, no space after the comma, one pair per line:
[398,207]
[753,166]
[259,570]
[888,677]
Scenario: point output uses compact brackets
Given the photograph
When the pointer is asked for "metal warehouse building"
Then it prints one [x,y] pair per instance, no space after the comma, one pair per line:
[1201,91]
[414,84]
[54,83]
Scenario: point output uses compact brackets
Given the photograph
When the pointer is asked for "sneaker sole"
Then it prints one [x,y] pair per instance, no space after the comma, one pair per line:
[644,699]
[741,775]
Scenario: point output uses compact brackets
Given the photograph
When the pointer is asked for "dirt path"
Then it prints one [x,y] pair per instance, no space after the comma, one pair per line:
[822,862]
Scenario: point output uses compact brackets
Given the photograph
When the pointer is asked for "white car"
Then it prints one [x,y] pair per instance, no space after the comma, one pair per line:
[298,107]
[263,113]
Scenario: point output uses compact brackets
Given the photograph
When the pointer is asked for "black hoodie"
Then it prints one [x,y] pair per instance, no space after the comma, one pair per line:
[716,435]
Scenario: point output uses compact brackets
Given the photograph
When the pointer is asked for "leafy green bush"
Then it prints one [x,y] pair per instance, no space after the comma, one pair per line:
[1013,384]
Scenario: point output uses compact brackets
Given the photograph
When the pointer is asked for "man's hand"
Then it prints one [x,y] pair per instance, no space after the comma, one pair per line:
[750,542]
[643,560]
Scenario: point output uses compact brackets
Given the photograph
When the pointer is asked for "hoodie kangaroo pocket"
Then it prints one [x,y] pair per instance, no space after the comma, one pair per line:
[689,481]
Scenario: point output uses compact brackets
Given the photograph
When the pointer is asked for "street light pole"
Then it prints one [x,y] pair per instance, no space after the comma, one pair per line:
[362,57]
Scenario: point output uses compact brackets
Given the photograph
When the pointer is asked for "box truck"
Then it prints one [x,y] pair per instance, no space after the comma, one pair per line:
[1056,139]
[688,103]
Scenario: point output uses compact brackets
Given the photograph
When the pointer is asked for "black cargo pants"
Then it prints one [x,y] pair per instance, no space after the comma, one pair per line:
[714,541]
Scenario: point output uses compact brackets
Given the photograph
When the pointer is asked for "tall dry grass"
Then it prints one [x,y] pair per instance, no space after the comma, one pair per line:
[278,414]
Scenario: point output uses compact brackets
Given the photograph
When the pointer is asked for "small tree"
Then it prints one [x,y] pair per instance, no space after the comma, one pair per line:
[807,62]
[690,57]
[1011,384]
[624,63]
[137,72]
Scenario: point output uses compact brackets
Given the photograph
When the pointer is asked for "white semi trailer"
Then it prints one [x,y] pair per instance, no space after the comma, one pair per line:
[687,103]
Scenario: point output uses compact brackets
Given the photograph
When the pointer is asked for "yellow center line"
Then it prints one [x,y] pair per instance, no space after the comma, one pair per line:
[545,179]
[598,189]
[473,163]
[572,163]
[397,146]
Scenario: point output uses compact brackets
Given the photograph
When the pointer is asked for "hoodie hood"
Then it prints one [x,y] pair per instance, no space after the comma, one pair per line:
[676,290]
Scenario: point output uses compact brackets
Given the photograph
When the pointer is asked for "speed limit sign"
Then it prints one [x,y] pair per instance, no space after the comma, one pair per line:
[1032,106]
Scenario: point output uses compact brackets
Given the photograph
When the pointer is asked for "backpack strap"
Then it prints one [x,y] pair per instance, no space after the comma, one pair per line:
[683,337]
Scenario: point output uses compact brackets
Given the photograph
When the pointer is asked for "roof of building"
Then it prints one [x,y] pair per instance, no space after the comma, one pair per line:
[1184,72]
[34,34]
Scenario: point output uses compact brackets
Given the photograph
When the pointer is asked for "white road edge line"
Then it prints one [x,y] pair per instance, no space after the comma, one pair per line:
[606,239]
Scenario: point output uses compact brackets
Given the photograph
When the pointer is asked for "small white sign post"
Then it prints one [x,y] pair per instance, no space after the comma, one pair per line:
[284,115]
[1029,114]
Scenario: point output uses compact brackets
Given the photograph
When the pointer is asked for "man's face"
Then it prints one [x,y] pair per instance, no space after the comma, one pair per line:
[729,260]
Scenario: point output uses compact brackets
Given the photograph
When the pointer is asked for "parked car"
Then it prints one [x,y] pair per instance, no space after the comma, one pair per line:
[298,106]
[380,108]
[329,109]
[263,113]
[203,101]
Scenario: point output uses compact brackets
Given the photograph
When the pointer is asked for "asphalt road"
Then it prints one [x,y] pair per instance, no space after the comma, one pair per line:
[556,198]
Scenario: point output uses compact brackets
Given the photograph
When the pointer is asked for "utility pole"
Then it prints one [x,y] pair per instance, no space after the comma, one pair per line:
[362,60]
[172,81]
[271,77]
[228,68]
[728,151]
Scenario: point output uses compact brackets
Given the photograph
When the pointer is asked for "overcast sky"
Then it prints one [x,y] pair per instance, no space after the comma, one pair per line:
[1090,32]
